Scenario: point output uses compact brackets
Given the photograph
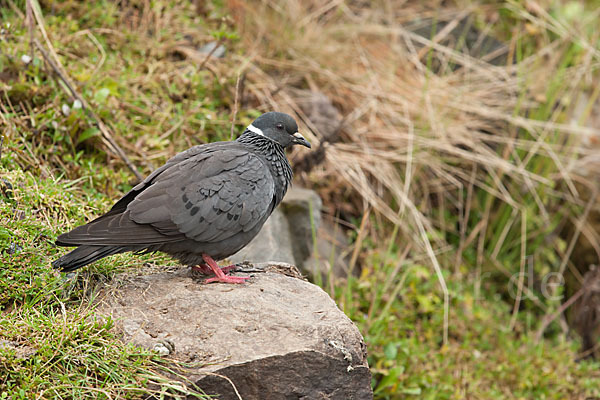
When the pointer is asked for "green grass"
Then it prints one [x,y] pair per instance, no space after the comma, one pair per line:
[52,345]
[493,352]
[56,172]
[484,357]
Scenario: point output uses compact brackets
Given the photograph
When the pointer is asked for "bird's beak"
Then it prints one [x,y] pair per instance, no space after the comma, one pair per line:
[299,139]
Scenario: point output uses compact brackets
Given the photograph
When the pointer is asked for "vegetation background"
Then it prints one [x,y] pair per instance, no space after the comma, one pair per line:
[465,179]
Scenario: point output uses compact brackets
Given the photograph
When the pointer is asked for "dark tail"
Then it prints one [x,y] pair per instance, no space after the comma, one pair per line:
[84,255]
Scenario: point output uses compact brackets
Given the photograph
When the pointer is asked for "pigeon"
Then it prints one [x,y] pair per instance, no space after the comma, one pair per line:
[202,206]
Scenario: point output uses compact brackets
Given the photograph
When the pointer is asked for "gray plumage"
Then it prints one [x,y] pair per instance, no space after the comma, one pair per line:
[211,199]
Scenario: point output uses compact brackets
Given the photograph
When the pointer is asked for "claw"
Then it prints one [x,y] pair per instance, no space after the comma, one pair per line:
[202,268]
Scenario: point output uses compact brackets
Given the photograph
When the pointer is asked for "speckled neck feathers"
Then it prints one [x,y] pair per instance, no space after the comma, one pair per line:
[274,154]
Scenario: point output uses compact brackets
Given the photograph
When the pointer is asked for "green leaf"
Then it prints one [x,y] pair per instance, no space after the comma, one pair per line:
[392,377]
[572,11]
[414,391]
[101,95]
[88,133]
[4,234]
[390,351]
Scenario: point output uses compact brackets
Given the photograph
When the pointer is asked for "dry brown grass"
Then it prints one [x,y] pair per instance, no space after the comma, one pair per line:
[399,116]
[417,144]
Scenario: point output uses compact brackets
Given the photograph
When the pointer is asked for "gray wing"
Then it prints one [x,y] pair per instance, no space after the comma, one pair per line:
[207,193]
[208,199]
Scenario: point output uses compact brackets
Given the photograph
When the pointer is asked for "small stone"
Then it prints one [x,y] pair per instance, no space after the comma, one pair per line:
[219,52]
[161,349]
[321,112]
[14,248]
[21,351]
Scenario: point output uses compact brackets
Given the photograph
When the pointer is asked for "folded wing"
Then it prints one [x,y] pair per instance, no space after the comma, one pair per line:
[208,194]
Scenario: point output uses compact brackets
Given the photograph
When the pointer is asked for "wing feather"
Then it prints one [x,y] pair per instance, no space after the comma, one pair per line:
[210,200]
[198,194]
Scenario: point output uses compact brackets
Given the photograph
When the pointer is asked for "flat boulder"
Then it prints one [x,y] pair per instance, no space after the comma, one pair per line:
[274,337]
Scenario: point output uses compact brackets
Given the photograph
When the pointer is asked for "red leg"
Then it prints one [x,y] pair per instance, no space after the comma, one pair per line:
[202,268]
[220,275]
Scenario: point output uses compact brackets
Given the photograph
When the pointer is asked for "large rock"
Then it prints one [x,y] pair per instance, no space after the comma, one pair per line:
[273,242]
[324,120]
[463,37]
[302,209]
[324,117]
[274,337]
[331,257]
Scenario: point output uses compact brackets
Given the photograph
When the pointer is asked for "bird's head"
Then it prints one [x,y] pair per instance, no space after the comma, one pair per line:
[280,128]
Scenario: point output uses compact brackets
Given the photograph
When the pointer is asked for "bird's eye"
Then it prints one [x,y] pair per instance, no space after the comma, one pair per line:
[279,126]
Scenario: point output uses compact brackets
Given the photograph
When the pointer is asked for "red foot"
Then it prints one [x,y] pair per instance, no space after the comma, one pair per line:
[228,268]
[206,270]
[219,272]
[227,279]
